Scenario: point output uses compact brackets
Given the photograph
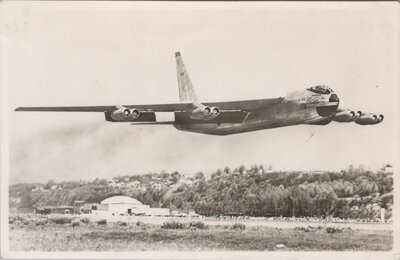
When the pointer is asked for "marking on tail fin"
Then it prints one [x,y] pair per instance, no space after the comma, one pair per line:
[186,91]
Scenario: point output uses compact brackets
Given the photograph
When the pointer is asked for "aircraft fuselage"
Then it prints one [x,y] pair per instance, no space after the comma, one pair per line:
[298,107]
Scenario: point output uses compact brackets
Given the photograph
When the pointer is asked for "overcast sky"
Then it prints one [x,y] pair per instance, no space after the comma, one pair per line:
[73,53]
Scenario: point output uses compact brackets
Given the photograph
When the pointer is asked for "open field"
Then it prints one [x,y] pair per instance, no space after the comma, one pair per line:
[249,222]
[44,235]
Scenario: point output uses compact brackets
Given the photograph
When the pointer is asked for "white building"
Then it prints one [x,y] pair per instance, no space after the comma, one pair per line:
[124,205]
[120,204]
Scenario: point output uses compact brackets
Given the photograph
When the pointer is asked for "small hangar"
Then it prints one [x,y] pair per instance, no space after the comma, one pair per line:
[123,205]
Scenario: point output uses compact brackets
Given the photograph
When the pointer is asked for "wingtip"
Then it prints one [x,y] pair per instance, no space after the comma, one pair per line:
[17,109]
[177,54]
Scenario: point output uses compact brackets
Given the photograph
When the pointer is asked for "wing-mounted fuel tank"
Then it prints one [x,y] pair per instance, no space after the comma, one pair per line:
[124,114]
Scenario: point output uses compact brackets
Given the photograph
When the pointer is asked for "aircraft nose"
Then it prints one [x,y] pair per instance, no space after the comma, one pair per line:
[333,98]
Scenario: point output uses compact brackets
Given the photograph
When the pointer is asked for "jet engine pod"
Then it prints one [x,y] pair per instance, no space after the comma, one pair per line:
[344,116]
[204,113]
[125,114]
[379,119]
[135,113]
[207,111]
[367,119]
[215,111]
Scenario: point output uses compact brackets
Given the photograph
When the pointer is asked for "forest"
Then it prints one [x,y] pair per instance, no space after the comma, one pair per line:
[354,193]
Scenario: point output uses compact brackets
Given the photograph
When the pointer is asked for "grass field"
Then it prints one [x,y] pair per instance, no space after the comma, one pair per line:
[49,236]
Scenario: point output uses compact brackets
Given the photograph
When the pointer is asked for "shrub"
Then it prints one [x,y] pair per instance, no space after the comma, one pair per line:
[332,230]
[42,222]
[18,220]
[309,228]
[172,225]
[122,223]
[139,223]
[102,222]
[223,226]
[85,220]
[76,222]
[61,219]
[198,225]
[238,226]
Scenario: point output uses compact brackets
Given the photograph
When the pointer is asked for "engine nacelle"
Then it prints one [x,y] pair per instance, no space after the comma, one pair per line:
[368,119]
[215,111]
[359,114]
[125,114]
[205,113]
[345,116]
[380,119]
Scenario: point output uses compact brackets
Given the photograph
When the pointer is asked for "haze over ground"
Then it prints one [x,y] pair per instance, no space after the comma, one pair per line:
[72,53]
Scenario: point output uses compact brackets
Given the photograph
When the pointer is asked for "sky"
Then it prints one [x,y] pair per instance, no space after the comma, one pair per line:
[102,53]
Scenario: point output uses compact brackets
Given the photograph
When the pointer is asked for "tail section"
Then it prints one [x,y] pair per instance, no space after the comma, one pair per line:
[186,91]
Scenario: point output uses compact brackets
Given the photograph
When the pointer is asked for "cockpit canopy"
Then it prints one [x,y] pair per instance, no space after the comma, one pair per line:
[321,89]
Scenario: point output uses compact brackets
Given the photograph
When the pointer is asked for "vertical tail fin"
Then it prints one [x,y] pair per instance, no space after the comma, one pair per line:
[186,91]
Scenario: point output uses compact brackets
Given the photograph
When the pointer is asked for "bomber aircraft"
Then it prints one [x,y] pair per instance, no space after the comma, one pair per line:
[317,105]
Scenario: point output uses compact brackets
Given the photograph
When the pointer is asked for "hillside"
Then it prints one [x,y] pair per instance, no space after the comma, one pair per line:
[352,193]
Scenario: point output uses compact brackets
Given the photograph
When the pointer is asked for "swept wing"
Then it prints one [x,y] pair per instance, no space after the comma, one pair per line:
[243,105]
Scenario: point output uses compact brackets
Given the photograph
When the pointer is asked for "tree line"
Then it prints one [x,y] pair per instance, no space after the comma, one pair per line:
[351,193]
